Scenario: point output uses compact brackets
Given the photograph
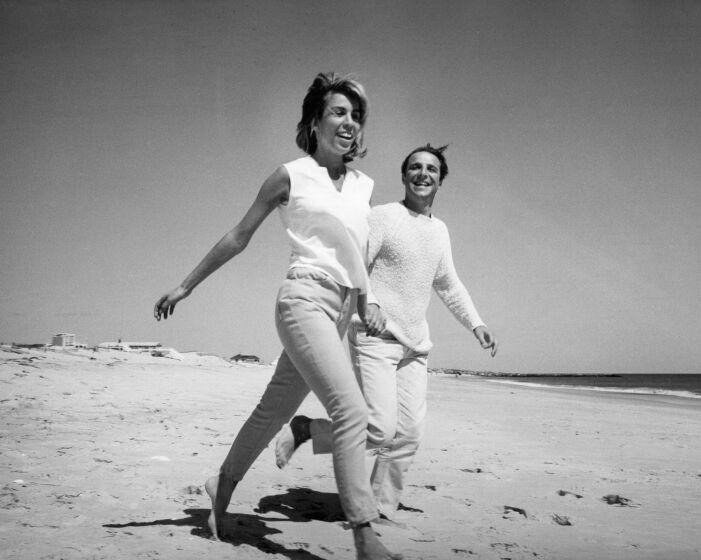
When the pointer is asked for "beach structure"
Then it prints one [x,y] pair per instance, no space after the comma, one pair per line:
[130,346]
[246,359]
[63,339]
[29,345]
[113,346]
[143,346]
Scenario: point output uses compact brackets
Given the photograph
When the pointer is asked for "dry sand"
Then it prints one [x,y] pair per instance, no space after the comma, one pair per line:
[104,456]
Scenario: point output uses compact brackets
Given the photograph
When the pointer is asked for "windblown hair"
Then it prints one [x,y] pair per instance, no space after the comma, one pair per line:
[438,152]
[314,104]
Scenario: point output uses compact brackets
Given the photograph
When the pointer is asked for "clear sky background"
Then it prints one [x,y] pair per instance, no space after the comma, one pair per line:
[135,134]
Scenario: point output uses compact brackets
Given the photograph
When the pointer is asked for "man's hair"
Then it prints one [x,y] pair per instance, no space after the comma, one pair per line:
[314,104]
[438,152]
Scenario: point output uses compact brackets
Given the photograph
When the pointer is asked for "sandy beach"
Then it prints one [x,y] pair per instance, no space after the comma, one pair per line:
[104,455]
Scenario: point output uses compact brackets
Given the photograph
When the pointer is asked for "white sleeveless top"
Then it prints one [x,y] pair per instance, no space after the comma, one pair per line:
[328,230]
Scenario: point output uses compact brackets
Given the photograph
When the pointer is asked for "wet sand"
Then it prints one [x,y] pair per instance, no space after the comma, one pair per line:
[104,455]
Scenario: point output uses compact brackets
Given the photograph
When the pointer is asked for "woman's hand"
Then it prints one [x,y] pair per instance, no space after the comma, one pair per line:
[166,304]
[486,339]
[374,319]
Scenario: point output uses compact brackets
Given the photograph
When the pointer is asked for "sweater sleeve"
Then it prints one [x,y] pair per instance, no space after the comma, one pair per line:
[452,291]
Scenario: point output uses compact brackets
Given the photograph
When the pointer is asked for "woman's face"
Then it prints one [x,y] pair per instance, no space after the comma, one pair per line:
[339,125]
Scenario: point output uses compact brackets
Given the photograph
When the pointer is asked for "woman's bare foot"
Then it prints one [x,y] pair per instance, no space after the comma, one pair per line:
[291,437]
[219,488]
[368,545]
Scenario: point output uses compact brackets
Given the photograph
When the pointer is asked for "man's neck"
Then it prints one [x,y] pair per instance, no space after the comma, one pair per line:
[419,207]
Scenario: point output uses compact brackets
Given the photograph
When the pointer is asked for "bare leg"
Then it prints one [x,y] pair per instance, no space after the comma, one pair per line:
[368,545]
[219,488]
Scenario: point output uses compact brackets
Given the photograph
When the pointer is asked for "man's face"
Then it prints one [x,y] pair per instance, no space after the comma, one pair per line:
[422,177]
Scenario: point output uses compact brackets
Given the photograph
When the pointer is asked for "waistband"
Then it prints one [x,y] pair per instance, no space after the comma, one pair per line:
[313,273]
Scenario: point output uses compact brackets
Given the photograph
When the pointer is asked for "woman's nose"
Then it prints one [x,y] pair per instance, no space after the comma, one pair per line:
[348,119]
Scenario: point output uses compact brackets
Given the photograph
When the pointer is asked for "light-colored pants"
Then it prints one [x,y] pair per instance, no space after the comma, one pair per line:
[394,381]
[311,319]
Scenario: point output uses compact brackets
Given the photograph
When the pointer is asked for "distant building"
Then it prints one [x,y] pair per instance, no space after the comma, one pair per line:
[113,346]
[127,346]
[246,359]
[28,345]
[143,346]
[63,339]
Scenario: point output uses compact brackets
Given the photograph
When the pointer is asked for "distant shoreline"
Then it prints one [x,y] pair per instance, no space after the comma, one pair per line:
[686,386]
[454,371]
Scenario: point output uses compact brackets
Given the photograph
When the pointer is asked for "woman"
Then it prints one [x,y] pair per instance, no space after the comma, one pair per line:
[324,206]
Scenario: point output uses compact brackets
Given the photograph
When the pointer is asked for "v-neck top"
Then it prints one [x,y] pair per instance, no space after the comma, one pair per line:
[327,228]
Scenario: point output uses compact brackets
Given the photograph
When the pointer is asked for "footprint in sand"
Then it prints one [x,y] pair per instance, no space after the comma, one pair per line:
[509,509]
[568,493]
[616,500]
[431,487]
[9,499]
[402,507]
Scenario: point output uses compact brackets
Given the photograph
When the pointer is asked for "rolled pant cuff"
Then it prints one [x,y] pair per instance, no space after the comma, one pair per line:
[321,431]
[355,524]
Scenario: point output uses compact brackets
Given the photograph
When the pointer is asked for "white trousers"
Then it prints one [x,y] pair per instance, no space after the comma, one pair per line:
[310,319]
[394,382]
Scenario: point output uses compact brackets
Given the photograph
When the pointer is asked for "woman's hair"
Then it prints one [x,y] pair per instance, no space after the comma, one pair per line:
[438,152]
[314,104]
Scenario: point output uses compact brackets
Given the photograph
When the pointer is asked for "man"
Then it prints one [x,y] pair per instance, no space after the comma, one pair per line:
[409,254]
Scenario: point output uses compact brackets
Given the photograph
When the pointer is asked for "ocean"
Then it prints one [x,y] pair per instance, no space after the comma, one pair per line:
[675,385]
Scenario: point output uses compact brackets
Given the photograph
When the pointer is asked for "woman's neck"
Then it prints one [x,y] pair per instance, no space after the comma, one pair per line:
[334,164]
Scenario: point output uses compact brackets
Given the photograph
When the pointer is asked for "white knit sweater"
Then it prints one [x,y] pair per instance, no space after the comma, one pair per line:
[408,254]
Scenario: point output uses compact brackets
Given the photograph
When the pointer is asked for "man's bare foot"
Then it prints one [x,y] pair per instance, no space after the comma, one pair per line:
[219,489]
[368,545]
[291,437]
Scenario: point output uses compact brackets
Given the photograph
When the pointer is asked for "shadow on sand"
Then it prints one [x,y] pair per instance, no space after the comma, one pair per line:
[303,504]
[299,505]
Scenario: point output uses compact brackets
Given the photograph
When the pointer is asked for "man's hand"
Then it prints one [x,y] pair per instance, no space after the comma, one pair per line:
[486,339]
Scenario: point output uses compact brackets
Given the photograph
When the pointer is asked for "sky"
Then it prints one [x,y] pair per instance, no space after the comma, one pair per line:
[135,134]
